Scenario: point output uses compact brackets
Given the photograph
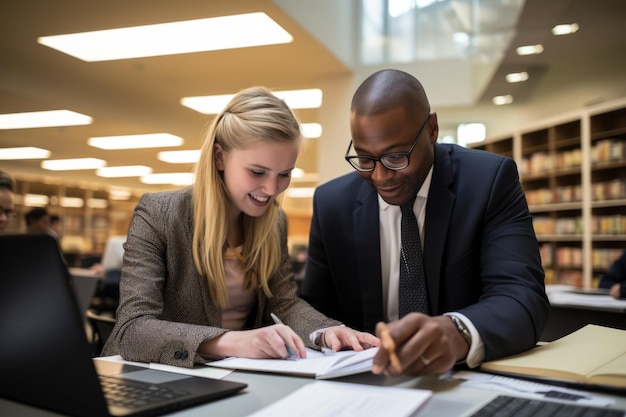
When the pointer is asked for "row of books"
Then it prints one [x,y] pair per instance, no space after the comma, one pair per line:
[570,277]
[608,150]
[601,258]
[564,194]
[602,152]
[607,190]
[606,224]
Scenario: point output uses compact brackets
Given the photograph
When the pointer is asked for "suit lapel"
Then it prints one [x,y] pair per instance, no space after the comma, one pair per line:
[438,212]
[366,227]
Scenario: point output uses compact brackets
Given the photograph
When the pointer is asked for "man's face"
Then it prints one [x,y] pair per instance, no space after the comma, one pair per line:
[389,132]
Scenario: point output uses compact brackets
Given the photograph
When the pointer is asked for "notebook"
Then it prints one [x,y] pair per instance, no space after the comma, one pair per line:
[45,357]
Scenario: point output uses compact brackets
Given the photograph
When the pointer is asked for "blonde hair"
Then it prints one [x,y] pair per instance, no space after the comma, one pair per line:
[253,115]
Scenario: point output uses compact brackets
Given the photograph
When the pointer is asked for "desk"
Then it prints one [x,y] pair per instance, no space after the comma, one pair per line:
[449,399]
[570,311]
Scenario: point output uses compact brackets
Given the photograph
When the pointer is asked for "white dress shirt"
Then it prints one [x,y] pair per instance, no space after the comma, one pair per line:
[390,218]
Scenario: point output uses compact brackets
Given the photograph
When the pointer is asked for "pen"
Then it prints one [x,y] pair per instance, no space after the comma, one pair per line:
[388,344]
[276,320]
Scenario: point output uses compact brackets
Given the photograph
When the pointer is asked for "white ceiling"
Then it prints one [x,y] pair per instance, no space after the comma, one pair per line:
[142,95]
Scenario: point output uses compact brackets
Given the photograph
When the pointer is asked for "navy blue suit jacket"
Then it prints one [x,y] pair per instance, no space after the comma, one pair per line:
[481,255]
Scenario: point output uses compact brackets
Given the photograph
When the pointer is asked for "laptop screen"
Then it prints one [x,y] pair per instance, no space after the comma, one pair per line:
[45,359]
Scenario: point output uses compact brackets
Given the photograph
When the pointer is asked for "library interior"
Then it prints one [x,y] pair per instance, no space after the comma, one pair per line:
[542,82]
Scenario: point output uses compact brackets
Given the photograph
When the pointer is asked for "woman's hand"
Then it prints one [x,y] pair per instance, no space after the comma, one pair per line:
[340,337]
[263,343]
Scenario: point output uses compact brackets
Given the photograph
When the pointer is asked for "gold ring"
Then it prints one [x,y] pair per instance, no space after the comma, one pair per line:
[425,360]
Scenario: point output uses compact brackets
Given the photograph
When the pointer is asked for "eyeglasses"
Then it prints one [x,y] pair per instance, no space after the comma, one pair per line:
[7,212]
[393,161]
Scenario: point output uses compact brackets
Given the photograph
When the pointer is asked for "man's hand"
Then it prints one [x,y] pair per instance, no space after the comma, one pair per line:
[424,345]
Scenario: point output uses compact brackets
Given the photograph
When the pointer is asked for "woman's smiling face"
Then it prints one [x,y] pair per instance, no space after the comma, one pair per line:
[255,175]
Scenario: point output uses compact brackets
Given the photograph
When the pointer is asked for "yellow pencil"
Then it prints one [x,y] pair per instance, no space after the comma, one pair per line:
[388,344]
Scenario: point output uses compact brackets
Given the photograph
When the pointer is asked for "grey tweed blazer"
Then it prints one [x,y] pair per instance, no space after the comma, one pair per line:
[165,310]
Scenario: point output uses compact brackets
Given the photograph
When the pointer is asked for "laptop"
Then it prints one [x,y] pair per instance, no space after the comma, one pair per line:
[45,357]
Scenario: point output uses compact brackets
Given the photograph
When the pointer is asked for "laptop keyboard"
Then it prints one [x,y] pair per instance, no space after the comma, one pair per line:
[122,393]
[507,406]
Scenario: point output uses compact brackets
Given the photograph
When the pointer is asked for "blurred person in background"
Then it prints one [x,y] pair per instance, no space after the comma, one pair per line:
[7,188]
[37,220]
[615,278]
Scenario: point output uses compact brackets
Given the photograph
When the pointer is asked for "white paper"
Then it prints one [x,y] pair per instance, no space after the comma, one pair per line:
[342,399]
[316,364]
[201,371]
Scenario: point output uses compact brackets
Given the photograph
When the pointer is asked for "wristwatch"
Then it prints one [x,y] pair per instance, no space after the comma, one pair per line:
[462,328]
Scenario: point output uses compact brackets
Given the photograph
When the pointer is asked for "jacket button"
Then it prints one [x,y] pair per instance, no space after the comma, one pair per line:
[181,354]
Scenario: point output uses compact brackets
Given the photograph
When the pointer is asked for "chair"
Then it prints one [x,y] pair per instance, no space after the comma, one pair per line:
[101,328]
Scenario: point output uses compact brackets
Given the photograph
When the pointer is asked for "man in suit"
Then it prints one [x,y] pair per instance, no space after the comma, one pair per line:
[484,282]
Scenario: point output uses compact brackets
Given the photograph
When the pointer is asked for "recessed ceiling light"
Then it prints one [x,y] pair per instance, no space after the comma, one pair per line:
[530,49]
[180,157]
[175,178]
[501,100]
[24,152]
[150,140]
[565,29]
[211,34]
[48,118]
[124,171]
[295,99]
[72,164]
[517,77]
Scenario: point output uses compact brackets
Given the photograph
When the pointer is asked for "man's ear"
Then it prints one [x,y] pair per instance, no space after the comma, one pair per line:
[218,154]
[433,125]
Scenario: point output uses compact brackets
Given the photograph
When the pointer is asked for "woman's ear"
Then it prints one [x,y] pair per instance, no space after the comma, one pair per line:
[218,154]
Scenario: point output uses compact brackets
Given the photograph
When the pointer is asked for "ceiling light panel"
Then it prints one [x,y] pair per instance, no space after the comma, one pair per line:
[180,157]
[211,34]
[311,130]
[124,171]
[151,140]
[48,118]
[24,152]
[296,99]
[174,178]
[72,164]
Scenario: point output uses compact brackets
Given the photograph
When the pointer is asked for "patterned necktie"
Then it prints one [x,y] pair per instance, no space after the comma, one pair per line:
[412,295]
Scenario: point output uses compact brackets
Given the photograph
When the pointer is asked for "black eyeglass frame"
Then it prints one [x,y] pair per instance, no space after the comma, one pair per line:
[381,158]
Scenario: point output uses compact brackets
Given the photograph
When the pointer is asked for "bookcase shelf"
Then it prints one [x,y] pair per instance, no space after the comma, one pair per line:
[573,172]
[89,215]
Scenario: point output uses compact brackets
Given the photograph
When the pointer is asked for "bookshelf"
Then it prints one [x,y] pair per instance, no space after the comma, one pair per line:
[89,216]
[573,172]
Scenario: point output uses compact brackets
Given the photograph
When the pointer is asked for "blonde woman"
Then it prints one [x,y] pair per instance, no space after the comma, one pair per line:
[205,266]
